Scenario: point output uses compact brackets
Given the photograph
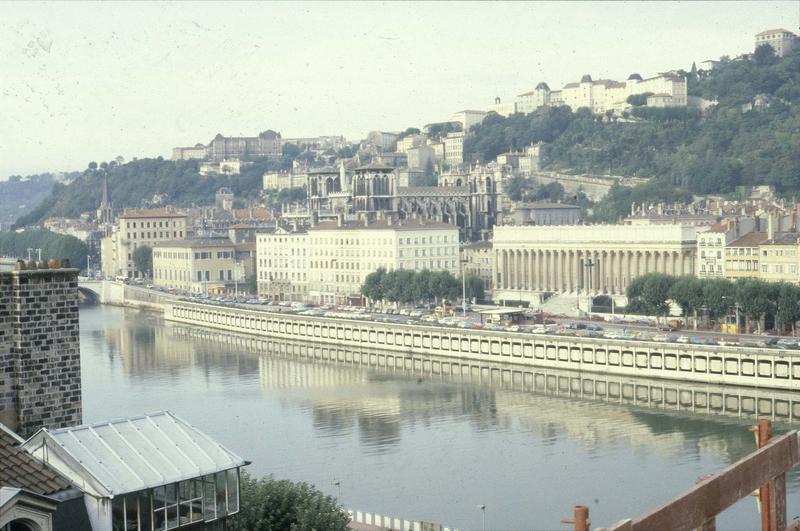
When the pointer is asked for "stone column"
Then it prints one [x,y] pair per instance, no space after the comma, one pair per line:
[559,267]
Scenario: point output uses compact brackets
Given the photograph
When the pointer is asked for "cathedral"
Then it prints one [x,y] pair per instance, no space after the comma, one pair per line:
[470,199]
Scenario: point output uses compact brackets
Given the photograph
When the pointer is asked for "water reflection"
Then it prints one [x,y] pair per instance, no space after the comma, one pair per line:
[425,437]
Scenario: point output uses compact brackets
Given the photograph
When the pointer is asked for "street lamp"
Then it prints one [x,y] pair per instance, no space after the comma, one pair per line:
[338,489]
[482,507]
[463,285]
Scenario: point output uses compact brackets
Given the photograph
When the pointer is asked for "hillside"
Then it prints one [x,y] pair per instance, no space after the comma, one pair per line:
[714,153]
[19,196]
[133,183]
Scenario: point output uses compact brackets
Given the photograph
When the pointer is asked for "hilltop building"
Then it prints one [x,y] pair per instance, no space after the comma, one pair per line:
[222,148]
[782,41]
[468,118]
[602,95]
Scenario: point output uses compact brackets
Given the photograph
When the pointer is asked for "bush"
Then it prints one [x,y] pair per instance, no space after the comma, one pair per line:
[268,504]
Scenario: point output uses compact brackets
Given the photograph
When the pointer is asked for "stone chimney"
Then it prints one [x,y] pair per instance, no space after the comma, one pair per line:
[770,228]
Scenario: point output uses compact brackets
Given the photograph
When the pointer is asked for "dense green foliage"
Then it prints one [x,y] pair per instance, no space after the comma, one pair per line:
[756,299]
[439,130]
[268,504]
[133,183]
[727,147]
[58,246]
[143,259]
[617,203]
[409,287]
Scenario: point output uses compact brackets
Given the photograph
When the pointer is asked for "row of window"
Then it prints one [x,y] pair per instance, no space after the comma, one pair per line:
[177,504]
[153,224]
[176,234]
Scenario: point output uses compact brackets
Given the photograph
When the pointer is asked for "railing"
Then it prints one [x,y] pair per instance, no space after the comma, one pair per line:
[763,470]
[388,523]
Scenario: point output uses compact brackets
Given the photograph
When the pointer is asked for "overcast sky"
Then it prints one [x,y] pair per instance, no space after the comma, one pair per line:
[89,81]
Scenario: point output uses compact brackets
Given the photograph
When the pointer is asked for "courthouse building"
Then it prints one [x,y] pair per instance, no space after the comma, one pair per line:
[531,260]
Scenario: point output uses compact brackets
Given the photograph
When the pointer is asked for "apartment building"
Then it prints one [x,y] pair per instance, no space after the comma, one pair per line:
[778,258]
[328,262]
[454,148]
[203,265]
[742,256]
[137,228]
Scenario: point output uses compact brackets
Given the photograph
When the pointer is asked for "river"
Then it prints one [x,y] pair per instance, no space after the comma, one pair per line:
[416,444]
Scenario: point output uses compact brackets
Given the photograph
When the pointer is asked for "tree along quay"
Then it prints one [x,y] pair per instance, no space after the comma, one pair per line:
[742,366]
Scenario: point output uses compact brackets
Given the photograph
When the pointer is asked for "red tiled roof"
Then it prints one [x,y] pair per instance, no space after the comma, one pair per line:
[751,239]
[21,470]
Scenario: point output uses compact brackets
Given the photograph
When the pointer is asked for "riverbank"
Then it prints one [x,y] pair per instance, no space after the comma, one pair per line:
[742,366]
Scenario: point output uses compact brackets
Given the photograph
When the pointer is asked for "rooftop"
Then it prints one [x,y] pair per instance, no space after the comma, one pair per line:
[375,166]
[544,205]
[153,213]
[751,239]
[136,453]
[772,32]
[21,470]
[385,224]
[783,238]
[195,243]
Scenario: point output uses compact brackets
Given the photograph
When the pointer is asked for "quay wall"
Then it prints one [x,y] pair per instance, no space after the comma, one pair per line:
[720,365]
[666,396]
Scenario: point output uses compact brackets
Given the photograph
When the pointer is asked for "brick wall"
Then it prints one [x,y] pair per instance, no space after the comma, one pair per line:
[40,316]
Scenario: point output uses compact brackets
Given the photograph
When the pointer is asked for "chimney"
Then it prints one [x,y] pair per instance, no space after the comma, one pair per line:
[770,229]
[340,219]
[314,219]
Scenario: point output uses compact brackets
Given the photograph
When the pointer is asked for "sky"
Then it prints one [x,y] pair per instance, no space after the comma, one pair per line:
[88,81]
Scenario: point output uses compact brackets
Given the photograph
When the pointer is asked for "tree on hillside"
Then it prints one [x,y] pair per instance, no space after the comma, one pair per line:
[58,246]
[143,260]
[764,55]
[268,504]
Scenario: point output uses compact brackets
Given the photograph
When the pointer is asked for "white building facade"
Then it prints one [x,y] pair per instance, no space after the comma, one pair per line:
[782,41]
[531,260]
[329,262]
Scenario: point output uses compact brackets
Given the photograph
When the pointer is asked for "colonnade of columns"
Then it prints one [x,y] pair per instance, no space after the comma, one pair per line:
[573,270]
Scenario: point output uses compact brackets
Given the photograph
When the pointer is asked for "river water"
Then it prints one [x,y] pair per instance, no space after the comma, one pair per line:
[420,445]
